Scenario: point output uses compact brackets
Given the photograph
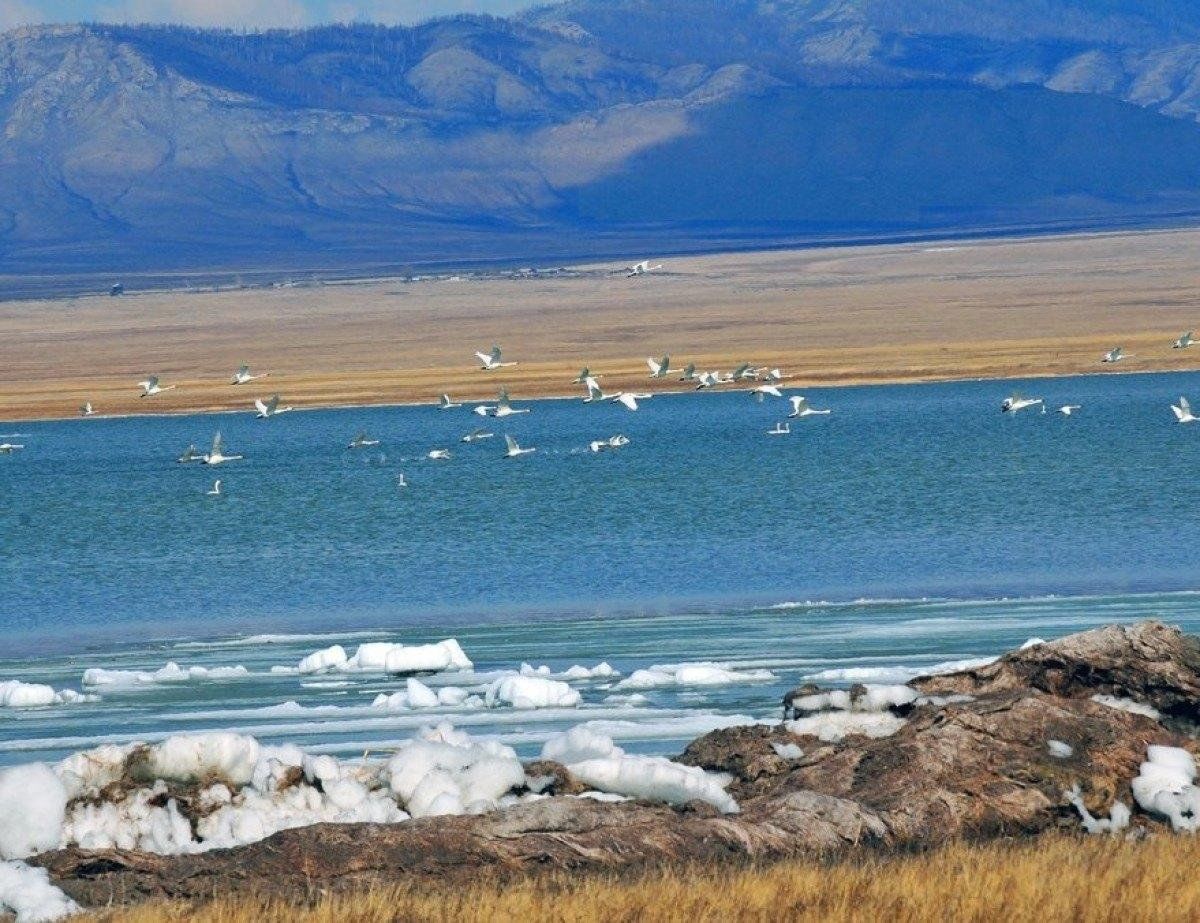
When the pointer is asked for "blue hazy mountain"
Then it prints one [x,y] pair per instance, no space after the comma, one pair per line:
[592,125]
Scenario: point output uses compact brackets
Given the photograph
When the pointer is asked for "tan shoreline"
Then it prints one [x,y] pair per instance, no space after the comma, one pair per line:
[894,313]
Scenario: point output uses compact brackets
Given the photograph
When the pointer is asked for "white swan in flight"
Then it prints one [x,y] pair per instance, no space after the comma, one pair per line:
[801,408]
[439,454]
[763,390]
[640,269]
[215,490]
[594,392]
[1183,411]
[444,403]
[361,441]
[86,410]
[504,407]
[628,399]
[270,408]
[612,442]
[689,372]
[476,435]
[491,361]
[1016,401]
[243,377]
[513,450]
[190,455]
[582,378]
[707,380]
[1067,409]
[7,448]
[216,456]
[660,368]
[1116,354]
[1184,341]
[781,429]
[743,372]
[150,387]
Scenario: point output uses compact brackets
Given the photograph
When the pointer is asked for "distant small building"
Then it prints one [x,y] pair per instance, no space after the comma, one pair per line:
[117,289]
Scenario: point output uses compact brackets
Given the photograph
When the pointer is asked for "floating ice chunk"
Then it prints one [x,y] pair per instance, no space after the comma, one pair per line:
[1117,820]
[691,674]
[17,694]
[573,673]
[1129,705]
[896,674]
[595,760]
[428,658]
[629,700]
[1060,749]
[832,726]
[531,692]
[787,751]
[326,659]
[421,696]
[171,672]
[33,804]
[1165,786]
[27,892]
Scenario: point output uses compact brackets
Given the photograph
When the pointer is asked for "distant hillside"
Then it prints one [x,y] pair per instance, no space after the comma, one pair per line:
[592,125]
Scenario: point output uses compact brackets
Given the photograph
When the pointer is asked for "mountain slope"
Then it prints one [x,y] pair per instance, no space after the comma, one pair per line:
[678,121]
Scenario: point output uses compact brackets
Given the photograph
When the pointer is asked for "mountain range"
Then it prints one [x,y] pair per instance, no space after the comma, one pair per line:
[592,127]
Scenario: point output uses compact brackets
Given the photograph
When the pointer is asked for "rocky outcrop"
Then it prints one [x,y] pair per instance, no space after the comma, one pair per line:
[996,760]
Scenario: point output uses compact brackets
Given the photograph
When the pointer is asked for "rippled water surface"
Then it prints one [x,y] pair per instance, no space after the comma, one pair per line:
[982,530]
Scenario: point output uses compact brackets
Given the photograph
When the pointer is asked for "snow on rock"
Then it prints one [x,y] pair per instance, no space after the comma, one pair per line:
[573,673]
[787,751]
[169,673]
[831,726]
[28,893]
[1129,705]
[1032,642]
[1165,786]
[444,771]
[531,692]
[1117,820]
[33,803]
[595,760]
[1060,749]
[896,674]
[386,657]
[691,674]
[17,694]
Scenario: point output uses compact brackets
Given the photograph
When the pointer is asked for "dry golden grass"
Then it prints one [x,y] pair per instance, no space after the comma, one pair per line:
[1054,880]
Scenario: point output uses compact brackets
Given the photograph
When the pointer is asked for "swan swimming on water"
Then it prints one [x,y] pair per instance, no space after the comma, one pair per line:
[215,490]
[1183,411]
[270,408]
[491,361]
[400,482]
[242,376]
[439,454]
[150,387]
[7,448]
[1067,409]
[781,429]
[1016,401]
[216,456]
[513,450]
[801,408]
[612,442]
[444,403]
[361,441]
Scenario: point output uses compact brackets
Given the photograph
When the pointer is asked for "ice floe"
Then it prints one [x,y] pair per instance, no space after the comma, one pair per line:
[531,692]
[416,694]
[385,657]
[17,694]
[171,672]
[573,673]
[691,674]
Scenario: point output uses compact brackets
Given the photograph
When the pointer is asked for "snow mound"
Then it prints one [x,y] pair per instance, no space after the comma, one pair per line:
[595,760]
[197,757]
[874,699]
[691,674]
[1165,786]
[27,892]
[416,694]
[169,673]
[16,694]
[444,771]
[386,657]
[33,803]
[531,692]
[1129,705]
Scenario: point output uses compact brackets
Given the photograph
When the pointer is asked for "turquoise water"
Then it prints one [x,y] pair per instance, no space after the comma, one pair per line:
[703,539]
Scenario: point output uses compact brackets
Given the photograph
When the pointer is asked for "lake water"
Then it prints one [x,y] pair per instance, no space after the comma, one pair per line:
[915,525]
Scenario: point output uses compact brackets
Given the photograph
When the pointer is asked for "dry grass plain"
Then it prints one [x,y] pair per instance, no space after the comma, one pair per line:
[910,312]
[1053,880]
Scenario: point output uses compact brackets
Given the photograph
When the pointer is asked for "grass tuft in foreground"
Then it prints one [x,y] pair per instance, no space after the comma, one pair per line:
[1049,880]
